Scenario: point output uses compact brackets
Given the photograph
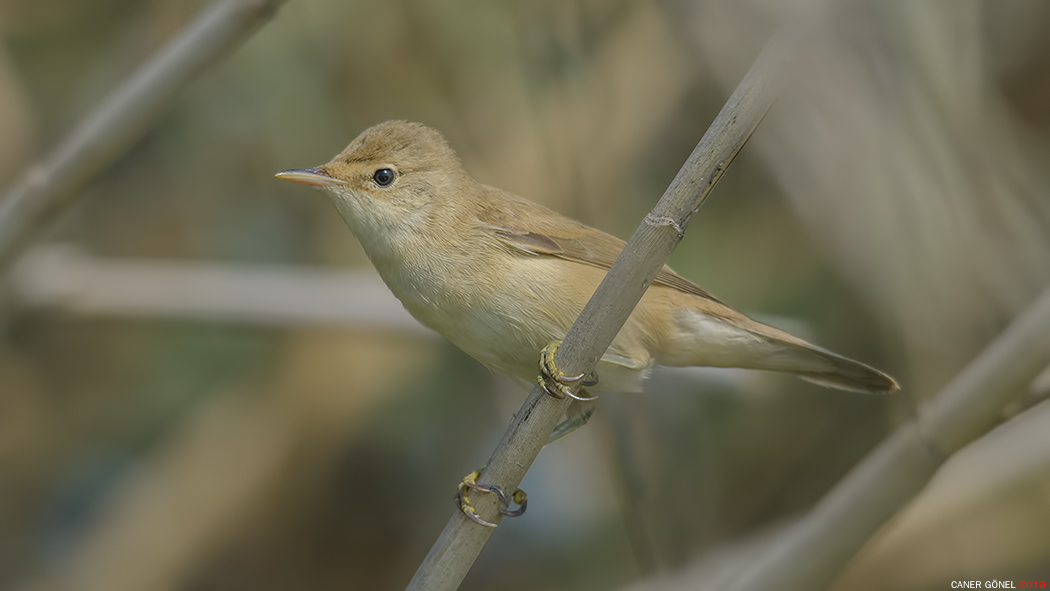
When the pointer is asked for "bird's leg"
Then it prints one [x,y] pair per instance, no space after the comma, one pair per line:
[556,383]
[576,416]
[471,483]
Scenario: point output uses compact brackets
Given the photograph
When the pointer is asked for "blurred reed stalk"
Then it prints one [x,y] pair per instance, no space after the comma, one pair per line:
[810,554]
[462,540]
[62,277]
[51,185]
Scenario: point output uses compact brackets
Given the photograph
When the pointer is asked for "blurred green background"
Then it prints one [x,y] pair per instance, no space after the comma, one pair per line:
[892,207]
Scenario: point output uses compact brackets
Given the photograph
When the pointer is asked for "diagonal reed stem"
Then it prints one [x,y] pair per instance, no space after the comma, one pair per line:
[462,540]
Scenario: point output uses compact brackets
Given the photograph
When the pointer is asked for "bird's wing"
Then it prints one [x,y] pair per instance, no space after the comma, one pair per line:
[535,230]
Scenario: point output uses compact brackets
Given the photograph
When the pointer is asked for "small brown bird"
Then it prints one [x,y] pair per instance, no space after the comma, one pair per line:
[502,277]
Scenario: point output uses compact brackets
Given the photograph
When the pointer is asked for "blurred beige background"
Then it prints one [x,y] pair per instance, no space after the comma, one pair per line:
[203,386]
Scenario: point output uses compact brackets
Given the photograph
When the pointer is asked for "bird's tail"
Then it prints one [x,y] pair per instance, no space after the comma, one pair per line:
[820,366]
[731,339]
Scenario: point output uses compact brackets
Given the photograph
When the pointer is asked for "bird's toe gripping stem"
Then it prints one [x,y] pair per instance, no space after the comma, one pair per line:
[556,383]
[471,483]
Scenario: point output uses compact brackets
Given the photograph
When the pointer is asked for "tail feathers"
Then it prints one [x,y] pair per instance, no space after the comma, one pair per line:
[726,338]
[831,370]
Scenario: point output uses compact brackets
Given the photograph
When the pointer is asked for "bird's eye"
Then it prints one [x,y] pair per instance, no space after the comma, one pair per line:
[384,177]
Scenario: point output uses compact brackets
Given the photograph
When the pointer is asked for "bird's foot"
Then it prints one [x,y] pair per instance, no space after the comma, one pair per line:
[471,483]
[556,383]
[576,416]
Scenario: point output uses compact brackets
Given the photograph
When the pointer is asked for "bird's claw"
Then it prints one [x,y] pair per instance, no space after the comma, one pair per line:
[471,483]
[556,383]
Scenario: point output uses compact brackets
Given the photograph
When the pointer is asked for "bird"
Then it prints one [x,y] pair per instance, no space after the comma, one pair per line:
[503,278]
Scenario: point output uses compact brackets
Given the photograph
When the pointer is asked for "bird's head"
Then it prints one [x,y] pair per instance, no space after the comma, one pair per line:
[386,177]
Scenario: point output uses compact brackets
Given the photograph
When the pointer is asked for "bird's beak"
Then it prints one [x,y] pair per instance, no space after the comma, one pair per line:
[315,177]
